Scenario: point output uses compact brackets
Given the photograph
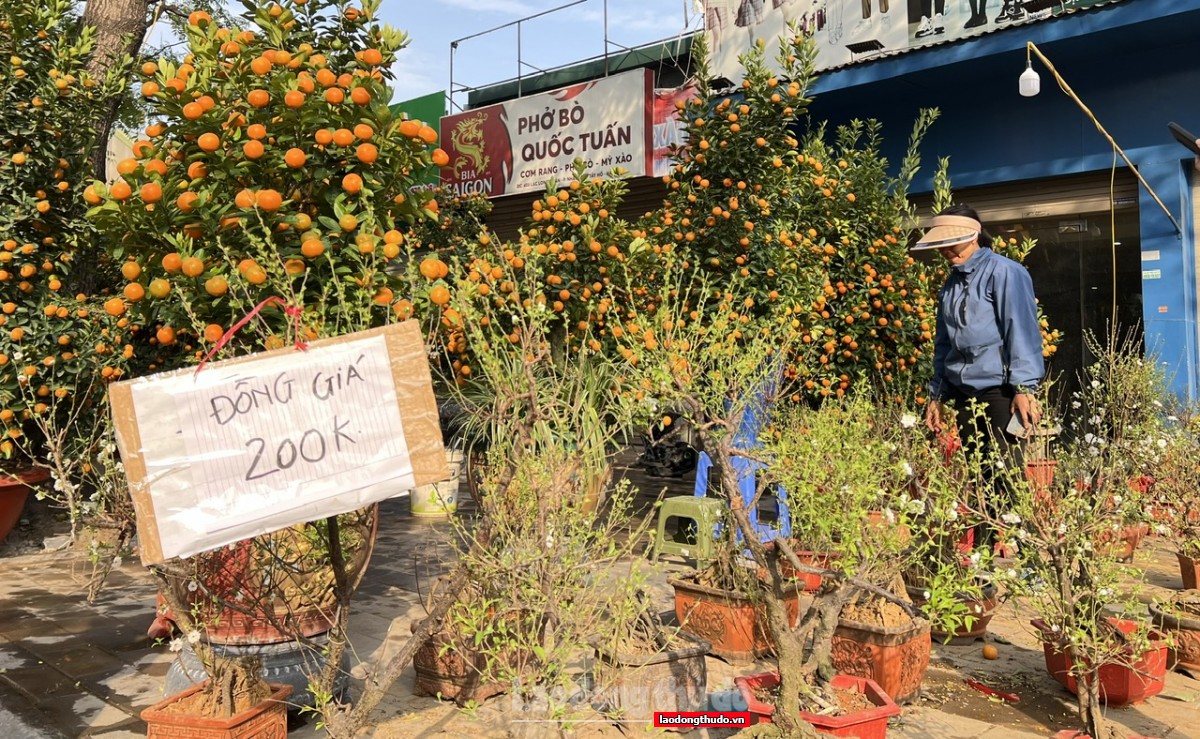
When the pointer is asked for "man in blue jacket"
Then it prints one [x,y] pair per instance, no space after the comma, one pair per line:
[988,346]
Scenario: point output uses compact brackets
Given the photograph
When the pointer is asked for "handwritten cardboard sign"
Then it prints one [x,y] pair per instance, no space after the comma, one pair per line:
[255,444]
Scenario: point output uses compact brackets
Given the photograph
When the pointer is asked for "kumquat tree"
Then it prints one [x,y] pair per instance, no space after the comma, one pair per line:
[58,349]
[751,197]
[273,169]
[574,247]
[269,193]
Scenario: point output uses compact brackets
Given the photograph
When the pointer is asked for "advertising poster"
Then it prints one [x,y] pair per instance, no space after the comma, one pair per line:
[848,31]
[520,145]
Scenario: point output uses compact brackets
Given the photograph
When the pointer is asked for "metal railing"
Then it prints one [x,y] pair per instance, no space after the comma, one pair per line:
[523,65]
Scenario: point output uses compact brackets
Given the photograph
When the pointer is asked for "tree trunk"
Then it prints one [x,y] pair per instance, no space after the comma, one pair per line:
[346,722]
[120,27]
[789,645]
[1088,686]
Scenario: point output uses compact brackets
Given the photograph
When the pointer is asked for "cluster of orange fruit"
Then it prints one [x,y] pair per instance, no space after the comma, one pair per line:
[571,260]
[53,345]
[274,168]
[809,228]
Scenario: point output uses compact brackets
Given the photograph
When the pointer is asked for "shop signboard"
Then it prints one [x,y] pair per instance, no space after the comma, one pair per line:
[520,145]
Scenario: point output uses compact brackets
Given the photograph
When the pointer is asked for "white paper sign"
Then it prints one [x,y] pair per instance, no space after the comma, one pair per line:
[239,450]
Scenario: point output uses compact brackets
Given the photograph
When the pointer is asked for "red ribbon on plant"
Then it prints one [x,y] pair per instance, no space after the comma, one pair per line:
[292,311]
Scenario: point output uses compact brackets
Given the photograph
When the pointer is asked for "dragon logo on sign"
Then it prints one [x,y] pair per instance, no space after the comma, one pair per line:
[468,141]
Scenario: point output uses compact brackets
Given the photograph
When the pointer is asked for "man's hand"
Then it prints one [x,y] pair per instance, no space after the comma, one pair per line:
[933,415]
[1025,407]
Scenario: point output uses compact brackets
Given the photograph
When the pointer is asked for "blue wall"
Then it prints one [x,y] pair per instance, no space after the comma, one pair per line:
[1134,64]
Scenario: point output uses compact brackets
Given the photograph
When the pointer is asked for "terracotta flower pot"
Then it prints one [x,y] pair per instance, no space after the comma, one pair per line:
[866,724]
[1040,473]
[1123,543]
[877,519]
[449,668]
[730,621]
[1120,685]
[1189,570]
[14,491]
[640,685]
[1185,636]
[895,657]
[806,581]
[982,607]
[451,664]
[169,719]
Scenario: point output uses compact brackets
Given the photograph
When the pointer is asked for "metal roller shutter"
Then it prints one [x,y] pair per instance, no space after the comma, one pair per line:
[1062,196]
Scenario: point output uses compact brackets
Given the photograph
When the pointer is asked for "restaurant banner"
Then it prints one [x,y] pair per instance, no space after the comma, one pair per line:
[847,31]
[520,145]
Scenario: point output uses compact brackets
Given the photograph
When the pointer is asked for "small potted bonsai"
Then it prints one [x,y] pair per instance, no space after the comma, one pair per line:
[233,701]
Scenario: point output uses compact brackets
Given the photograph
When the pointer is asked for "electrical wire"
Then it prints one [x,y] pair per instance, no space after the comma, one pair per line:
[1031,48]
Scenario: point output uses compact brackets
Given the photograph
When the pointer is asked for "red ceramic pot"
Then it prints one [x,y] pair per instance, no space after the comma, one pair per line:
[1120,685]
[239,568]
[14,491]
[867,724]
[1040,472]
[169,719]
[807,581]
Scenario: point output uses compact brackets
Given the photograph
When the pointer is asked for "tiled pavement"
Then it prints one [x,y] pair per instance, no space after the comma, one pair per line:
[68,669]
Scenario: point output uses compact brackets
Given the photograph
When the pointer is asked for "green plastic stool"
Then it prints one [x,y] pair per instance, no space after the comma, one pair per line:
[705,512]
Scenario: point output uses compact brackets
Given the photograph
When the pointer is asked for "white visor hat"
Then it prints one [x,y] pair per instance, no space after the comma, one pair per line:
[949,231]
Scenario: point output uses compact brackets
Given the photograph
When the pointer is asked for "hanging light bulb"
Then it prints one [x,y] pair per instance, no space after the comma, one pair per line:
[1031,82]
